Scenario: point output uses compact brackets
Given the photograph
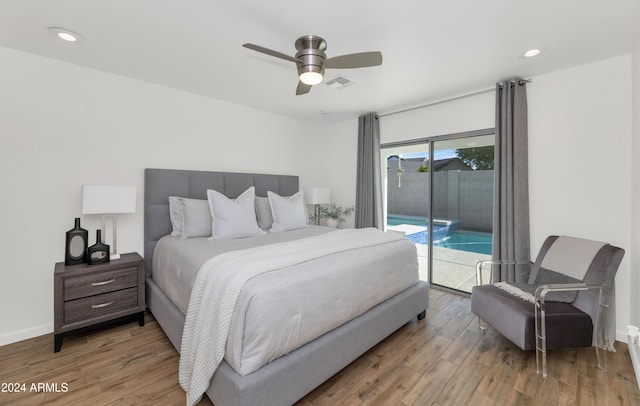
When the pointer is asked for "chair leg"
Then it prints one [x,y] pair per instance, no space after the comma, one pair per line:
[601,357]
[601,348]
[541,340]
[541,361]
[482,324]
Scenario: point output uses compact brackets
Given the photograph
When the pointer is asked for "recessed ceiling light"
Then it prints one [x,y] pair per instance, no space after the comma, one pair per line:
[531,53]
[65,34]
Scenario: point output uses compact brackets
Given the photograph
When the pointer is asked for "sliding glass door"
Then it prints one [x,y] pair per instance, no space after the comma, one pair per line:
[462,209]
[407,192]
[439,194]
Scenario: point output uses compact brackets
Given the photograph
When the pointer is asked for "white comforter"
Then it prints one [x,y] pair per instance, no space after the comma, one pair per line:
[220,280]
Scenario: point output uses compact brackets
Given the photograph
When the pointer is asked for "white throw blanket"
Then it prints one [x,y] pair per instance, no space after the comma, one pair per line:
[515,291]
[218,285]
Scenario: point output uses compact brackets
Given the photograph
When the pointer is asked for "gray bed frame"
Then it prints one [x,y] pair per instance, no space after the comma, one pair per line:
[290,377]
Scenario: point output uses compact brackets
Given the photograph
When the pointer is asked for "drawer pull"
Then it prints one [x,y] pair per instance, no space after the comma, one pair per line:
[103,282]
[101,305]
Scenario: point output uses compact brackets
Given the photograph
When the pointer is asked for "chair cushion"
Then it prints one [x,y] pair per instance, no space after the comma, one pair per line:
[514,318]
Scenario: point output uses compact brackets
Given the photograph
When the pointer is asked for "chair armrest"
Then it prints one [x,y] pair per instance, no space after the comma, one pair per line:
[542,290]
[480,264]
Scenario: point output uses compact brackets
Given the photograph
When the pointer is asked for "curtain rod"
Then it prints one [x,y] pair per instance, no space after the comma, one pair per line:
[448,99]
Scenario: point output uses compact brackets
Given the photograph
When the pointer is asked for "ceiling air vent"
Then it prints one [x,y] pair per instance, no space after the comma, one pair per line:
[339,82]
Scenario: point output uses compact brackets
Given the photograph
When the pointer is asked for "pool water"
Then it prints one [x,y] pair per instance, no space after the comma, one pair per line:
[470,241]
[446,236]
[414,221]
[441,227]
[462,240]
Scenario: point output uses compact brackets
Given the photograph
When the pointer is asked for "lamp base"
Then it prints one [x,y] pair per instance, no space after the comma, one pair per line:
[317,214]
[114,230]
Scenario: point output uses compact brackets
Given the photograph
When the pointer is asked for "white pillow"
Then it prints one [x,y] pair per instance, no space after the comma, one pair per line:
[263,213]
[288,212]
[233,218]
[189,217]
[175,215]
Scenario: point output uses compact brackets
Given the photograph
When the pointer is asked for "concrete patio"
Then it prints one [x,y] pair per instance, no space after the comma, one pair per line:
[451,268]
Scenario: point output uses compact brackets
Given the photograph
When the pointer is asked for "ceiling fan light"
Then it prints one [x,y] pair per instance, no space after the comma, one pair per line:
[311,78]
[311,74]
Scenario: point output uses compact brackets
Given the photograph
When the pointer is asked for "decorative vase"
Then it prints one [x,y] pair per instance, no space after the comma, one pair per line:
[75,251]
[332,223]
[98,253]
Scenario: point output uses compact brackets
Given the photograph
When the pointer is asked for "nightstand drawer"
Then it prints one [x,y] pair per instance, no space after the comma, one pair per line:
[100,305]
[97,283]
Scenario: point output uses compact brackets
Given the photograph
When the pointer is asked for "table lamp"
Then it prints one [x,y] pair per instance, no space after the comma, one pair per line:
[317,196]
[109,201]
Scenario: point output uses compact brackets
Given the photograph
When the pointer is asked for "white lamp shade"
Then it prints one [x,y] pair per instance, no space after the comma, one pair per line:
[101,199]
[317,195]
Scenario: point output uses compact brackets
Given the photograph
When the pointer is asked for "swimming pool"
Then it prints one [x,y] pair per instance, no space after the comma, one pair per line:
[417,227]
[470,241]
[396,220]
[446,235]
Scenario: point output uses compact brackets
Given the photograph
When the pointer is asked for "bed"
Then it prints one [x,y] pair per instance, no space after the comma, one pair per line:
[289,377]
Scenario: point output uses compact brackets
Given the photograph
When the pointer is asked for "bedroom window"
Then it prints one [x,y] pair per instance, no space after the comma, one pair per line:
[442,187]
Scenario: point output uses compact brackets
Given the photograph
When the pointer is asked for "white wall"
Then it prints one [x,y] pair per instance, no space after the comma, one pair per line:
[457,116]
[580,161]
[341,164]
[579,155]
[62,126]
[635,190]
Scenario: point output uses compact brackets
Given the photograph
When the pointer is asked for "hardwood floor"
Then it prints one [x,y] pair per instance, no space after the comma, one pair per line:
[444,360]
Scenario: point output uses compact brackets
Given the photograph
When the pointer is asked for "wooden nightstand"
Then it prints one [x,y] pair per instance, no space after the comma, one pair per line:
[85,295]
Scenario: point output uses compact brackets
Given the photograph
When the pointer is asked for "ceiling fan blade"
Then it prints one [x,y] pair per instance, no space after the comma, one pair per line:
[270,52]
[302,88]
[359,60]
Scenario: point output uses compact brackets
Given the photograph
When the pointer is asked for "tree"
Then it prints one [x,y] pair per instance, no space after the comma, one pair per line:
[477,158]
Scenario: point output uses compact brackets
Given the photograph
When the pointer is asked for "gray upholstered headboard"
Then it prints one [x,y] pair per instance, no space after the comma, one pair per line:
[159,184]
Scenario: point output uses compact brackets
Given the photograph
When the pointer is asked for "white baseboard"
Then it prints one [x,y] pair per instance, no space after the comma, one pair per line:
[621,335]
[634,349]
[25,334]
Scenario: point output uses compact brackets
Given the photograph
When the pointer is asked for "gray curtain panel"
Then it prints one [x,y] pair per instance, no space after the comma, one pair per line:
[368,180]
[511,182]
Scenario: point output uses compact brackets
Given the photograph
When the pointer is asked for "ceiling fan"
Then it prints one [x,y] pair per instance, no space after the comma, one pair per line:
[312,61]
